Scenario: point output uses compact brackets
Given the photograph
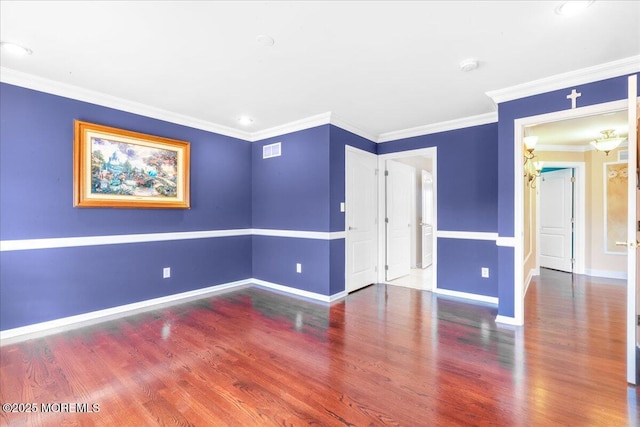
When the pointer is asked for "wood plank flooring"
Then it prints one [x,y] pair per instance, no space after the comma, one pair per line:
[385,355]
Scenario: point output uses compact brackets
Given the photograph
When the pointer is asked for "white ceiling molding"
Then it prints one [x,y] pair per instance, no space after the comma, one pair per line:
[560,81]
[572,148]
[40,84]
[567,148]
[481,119]
[306,123]
[336,121]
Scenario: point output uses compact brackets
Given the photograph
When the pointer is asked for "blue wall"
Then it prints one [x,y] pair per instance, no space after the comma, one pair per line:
[592,93]
[467,201]
[36,153]
[301,190]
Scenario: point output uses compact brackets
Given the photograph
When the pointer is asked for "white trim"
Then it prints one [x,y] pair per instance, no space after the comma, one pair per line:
[68,242]
[571,148]
[38,330]
[481,119]
[533,272]
[299,292]
[71,242]
[508,242]
[41,84]
[465,295]
[298,125]
[64,324]
[338,122]
[319,235]
[573,78]
[608,274]
[467,235]
[505,320]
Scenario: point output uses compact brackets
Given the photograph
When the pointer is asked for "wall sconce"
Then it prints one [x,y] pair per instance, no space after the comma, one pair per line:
[532,172]
[532,168]
[609,141]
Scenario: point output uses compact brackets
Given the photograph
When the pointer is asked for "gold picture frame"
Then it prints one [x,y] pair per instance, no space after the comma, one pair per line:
[116,168]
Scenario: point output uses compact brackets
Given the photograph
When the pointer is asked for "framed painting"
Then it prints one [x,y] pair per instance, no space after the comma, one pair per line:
[616,175]
[116,168]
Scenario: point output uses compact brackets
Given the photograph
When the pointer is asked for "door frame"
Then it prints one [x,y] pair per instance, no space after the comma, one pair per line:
[518,220]
[357,151]
[579,204]
[431,152]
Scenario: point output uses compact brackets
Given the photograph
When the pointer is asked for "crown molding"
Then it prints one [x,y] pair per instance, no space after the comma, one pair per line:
[338,122]
[572,78]
[573,148]
[481,119]
[53,87]
[302,124]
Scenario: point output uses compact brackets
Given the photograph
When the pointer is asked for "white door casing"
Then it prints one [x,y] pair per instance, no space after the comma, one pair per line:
[632,235]
[426,224]
[361,202]
[399,184]
[556,219]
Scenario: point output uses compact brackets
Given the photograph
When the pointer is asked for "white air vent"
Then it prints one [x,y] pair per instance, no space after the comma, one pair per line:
[271,150]
[623,155]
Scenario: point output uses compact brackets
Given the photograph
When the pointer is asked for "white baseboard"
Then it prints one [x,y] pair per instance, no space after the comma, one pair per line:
[64,324]
[465,295]
[299,292]
[38,330]
[609,274]
[532,272]
[505,320]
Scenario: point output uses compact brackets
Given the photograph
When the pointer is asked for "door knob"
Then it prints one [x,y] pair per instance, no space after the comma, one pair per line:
[352,228]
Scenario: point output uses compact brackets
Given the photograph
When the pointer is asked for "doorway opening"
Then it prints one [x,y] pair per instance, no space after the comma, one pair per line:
[601,258]
[408,209]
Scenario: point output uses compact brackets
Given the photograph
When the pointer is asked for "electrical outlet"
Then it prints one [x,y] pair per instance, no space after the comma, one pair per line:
[298,268]
[166,272]
[485,272]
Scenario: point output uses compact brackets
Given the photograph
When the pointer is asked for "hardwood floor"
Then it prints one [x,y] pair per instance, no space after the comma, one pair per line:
[385,355]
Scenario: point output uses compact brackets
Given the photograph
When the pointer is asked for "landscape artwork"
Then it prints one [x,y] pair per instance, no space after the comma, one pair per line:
[119,168]
[129,169]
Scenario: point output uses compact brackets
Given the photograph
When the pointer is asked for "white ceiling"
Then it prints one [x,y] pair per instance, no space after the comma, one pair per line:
[379,66]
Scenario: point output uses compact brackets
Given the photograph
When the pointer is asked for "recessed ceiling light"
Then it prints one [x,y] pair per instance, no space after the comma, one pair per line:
[245,120]
[573,7]
[15,49]
[264,40]
[468,65]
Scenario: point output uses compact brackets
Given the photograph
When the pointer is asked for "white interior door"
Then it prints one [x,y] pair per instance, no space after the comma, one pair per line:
[633,333]
[556,222]
[427,221]
[360,219]
[399,185]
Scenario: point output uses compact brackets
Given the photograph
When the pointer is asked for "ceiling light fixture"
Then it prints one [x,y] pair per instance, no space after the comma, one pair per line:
[15,49]
[469,64]
[573,7]
[609,141]
[264,40]
[245,120]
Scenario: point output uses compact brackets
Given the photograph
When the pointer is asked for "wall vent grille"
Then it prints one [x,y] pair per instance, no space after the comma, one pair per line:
[271,150]
[623,155]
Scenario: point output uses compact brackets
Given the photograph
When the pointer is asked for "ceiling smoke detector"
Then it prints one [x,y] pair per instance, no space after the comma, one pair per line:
[265,40]
[468,65]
